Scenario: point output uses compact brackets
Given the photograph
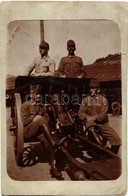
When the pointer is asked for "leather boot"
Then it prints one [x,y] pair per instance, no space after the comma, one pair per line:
[115,149]
[54,171]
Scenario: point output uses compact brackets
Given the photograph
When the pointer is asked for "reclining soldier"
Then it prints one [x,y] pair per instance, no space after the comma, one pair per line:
[36,124]
[93,110]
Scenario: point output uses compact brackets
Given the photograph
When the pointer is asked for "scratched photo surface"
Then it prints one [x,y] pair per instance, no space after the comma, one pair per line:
[85,126]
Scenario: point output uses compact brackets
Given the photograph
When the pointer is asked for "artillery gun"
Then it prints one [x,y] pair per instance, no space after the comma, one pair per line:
[82,152]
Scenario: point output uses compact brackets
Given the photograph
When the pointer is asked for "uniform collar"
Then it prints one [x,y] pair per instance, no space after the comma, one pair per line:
[45,57]
[95,97]
[32,102]
[71,56]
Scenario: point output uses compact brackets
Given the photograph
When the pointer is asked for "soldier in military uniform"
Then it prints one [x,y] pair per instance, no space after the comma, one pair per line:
[116,108]
[42,65]
[71,66]
[93,110]
[36,124]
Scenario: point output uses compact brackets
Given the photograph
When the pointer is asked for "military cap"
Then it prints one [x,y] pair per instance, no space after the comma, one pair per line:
[35,88]
[70,43]
[94,83]
[44,44]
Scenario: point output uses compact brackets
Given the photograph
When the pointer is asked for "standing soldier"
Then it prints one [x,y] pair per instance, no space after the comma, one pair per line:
[93,110]
[71,66]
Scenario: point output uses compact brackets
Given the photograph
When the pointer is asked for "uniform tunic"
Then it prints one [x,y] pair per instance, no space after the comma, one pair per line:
[71,66]
[42,66]
[28,111]
[97,107]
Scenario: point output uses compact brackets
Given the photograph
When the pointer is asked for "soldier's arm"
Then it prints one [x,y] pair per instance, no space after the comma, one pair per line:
[61,68]
[82,74]
[30,68]
[51,68]
[82,110]
[25,116]
[103,114]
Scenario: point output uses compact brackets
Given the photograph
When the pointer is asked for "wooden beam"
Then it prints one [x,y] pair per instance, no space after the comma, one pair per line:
[42,30]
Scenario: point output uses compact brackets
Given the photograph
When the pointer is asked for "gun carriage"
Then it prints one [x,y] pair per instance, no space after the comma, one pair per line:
[82,153]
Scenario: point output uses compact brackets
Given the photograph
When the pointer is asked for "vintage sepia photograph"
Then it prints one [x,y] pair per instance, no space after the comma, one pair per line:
[64,105]
[63,99]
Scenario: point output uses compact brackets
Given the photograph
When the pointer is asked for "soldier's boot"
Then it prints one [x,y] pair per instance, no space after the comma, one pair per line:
[54,171]
[115,149]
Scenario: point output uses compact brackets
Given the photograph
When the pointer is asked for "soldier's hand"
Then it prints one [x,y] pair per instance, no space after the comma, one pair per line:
[80,76]
[62,76]
[37,117]
[90,120]
[45,74]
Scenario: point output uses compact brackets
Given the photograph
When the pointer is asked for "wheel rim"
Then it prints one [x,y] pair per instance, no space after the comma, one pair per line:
[19,137]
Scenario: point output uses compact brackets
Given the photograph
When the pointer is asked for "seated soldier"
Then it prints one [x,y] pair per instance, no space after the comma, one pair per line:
[116,108]
[93,110]
[36,124]
[42,65]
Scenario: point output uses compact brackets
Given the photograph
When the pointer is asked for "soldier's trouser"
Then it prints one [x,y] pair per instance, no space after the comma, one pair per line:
[110,134]
[34,128]
[39,129]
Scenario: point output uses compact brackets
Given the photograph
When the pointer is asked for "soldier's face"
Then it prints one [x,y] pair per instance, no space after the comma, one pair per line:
[43,51]
[36,93]
[37,98]
[94,91]
[71,49]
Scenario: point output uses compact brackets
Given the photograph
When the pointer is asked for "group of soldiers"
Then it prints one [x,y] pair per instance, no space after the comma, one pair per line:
[93,108]
[70,66]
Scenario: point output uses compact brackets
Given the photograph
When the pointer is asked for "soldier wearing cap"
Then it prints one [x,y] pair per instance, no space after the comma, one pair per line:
[42,65]
[93,110]
[71,66]
[36,125]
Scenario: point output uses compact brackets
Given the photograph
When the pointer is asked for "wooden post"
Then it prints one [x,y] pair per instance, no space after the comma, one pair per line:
[42,30]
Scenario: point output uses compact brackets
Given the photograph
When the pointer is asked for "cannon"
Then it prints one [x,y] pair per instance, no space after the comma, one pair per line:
[82,154]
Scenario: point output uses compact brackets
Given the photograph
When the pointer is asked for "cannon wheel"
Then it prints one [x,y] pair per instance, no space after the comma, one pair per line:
[18,137]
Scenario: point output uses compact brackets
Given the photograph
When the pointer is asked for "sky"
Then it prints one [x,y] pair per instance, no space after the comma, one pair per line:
[94,39]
